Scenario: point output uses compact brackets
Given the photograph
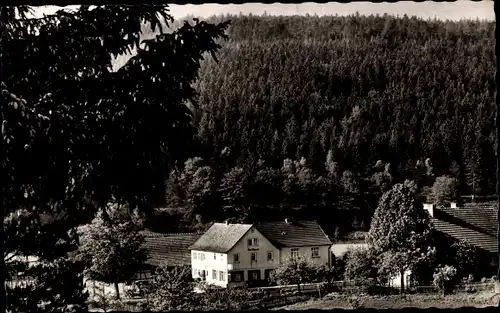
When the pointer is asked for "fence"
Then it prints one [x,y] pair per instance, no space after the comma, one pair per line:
[457,288]
[278,296]
[279,301]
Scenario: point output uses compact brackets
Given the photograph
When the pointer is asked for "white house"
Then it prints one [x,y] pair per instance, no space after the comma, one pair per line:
[232,254]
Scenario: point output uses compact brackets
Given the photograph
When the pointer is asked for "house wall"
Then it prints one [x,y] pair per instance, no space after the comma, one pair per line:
[209,262]
[396,281]
[323,259]
[245,252]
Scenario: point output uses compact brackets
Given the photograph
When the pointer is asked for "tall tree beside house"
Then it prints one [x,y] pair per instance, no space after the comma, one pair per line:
[112,253]
[400,231]
[78,132]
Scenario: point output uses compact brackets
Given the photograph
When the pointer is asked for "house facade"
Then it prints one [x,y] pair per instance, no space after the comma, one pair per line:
[239,254]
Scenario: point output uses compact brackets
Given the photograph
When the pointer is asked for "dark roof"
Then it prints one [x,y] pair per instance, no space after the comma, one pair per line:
[294,233]
[172,249]
[476,223]
[221,237]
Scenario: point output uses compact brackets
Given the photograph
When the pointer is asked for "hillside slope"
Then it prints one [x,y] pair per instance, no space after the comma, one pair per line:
[367,88]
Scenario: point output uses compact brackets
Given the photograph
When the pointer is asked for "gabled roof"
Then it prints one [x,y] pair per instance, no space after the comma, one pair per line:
[221,237]
[476,223]
[293,233]
[172,249]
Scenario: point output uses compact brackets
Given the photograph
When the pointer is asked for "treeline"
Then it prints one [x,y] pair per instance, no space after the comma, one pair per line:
[371,95]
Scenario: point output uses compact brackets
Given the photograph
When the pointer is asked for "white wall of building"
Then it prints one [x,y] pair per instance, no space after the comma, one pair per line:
[322,258]
[259,255]
[261,251]
[396,280]
[209,262]
[339,249]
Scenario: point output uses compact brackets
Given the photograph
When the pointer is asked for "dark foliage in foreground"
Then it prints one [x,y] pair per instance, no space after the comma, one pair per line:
[78,134]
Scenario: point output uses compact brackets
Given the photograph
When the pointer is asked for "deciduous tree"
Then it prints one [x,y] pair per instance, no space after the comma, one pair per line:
[78,131]
[113,253]
[172,289]
[361,266]
[400,231]
[295,270]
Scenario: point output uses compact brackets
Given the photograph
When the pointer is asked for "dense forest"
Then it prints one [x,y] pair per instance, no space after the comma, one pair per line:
[317,116]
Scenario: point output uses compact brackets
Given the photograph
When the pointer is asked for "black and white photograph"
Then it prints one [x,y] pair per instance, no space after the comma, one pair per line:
[254,156]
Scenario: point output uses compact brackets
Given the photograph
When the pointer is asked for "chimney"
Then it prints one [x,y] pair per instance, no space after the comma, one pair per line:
[286,220]
[227,223]
[429,207]
[453,205]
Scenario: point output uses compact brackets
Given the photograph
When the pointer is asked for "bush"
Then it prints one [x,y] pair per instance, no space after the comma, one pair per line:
[229,299]
[445,278]
[361,267]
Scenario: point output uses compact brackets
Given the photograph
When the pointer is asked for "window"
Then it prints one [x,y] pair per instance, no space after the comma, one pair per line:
[237,277]
[221,276]
[295,253]
[202,256]
[236,258]
[315,252]
[269,256]
[253,257]
[194,272]
[214,274]
[195,255]
[215,256]
[255,275]
[253,242]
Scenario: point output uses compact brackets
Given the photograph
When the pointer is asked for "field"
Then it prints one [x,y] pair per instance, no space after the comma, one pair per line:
[479,300]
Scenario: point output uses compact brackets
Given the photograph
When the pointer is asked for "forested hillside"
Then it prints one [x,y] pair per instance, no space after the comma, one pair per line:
[326,113]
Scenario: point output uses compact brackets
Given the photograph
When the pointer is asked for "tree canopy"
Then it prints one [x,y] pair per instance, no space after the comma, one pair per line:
[400,232]
[367,101]
[112,253]
[77,132]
